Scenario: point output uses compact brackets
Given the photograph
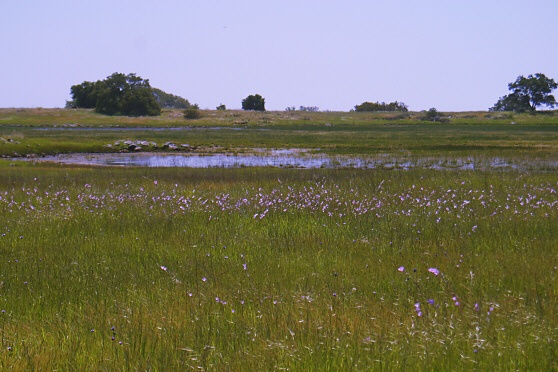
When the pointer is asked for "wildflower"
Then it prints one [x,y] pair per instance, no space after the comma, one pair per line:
[417,309]
[164,268]
[244,266]
[430,301]
[204,279]
[434,271]
[401,269]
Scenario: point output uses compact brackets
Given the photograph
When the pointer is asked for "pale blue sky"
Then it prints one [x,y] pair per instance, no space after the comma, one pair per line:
[449,54]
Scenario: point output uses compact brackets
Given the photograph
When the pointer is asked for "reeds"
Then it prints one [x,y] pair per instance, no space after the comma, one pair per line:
[261,269]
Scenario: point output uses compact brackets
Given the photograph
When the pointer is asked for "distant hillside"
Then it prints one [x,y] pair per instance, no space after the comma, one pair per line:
[167,100]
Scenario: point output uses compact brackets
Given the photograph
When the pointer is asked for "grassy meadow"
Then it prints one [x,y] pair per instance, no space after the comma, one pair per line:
[37,132]
[280,269]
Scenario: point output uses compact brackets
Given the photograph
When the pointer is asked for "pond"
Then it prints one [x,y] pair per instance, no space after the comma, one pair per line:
[297,159]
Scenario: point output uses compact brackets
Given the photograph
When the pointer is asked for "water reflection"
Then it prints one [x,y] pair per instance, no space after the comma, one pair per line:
[297,159]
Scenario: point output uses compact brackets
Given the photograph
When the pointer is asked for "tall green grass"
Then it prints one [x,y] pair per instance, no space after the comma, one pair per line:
[263,269]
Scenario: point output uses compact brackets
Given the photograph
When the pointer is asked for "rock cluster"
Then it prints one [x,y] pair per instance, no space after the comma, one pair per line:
[126,145]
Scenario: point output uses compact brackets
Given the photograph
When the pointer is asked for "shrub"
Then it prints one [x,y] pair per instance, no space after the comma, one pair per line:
[193,112]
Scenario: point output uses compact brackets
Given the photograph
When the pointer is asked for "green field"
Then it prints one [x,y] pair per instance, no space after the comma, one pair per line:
[279,269]
[51,131]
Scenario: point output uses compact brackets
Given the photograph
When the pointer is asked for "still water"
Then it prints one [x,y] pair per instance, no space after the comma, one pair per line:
[297,159]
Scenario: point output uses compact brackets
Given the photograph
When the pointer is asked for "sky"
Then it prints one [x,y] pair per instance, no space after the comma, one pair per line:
[453,55]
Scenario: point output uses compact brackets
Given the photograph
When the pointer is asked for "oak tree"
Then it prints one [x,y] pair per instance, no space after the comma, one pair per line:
[528,93]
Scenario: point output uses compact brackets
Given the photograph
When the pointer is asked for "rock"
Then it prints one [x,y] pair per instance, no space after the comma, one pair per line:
[170,146]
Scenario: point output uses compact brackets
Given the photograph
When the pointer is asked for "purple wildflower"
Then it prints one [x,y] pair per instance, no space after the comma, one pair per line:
[434,271]
[417,309]
[401,269]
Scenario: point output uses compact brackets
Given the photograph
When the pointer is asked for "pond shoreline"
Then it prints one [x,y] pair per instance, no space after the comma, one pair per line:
[294,158]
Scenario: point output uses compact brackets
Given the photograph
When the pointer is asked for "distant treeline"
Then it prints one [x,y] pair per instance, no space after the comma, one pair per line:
[167,100]
[121,94]
[377,106]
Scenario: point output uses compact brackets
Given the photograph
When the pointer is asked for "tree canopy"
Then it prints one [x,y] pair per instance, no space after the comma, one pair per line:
[118,94]
[528,93]
[167,100]
[392,106]
[254,102]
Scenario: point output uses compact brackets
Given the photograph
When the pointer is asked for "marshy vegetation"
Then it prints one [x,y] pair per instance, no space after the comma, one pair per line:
[35,132]
[264,268]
